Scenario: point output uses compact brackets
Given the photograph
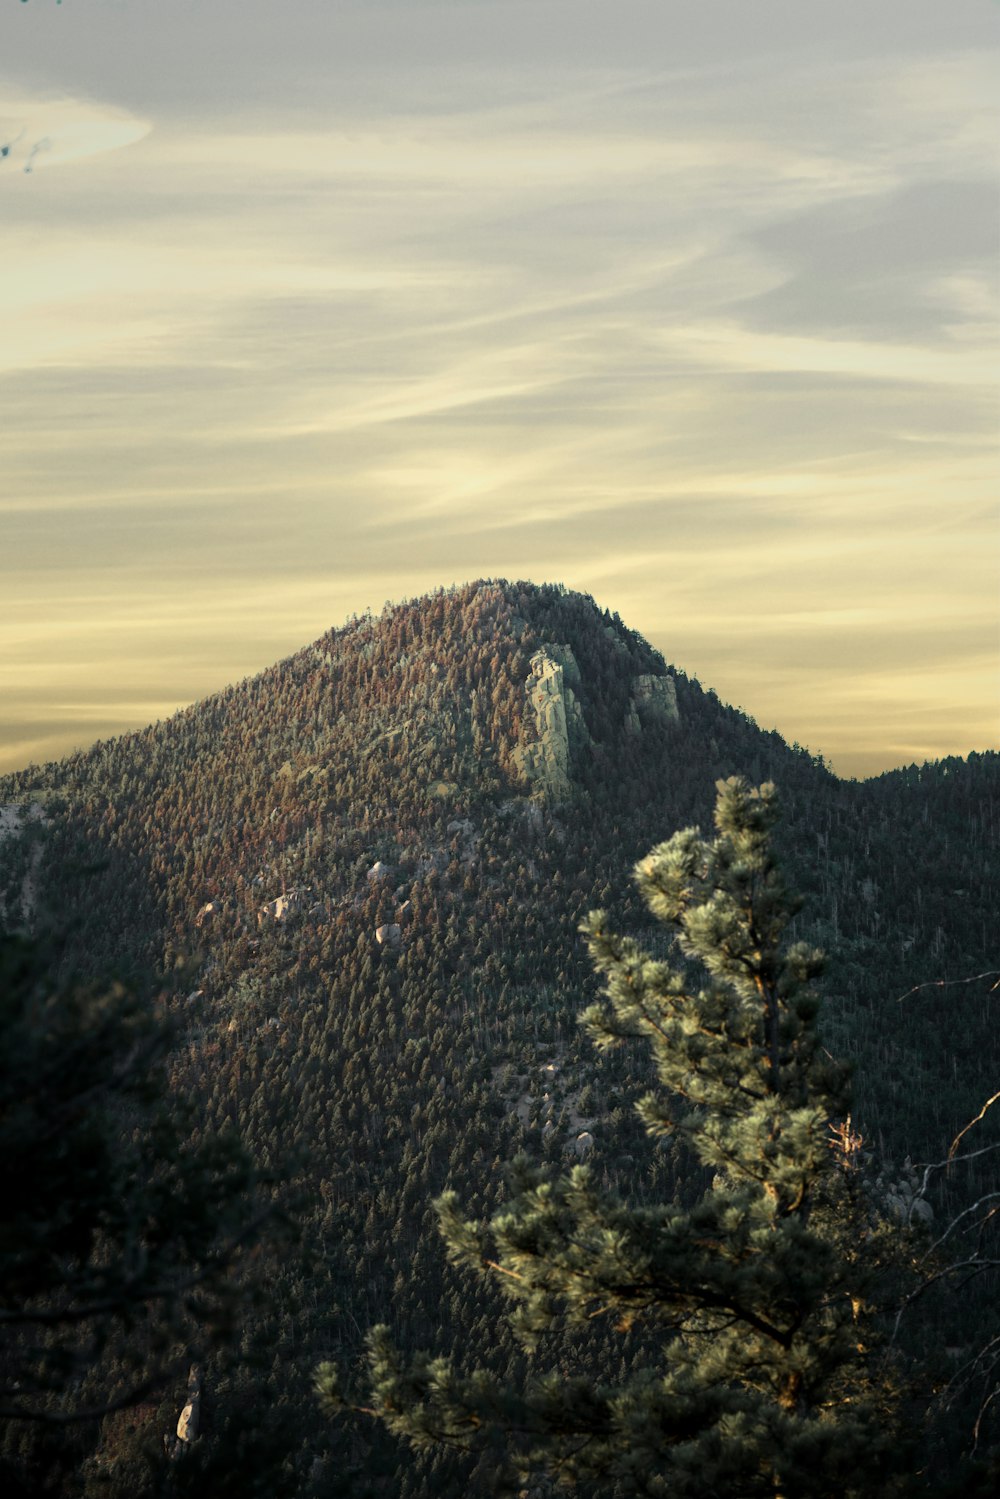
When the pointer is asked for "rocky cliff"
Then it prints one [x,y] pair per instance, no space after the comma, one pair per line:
[543,760]
[654,700]
[555,724]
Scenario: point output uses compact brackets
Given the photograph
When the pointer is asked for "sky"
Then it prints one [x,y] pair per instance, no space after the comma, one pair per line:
[688,304]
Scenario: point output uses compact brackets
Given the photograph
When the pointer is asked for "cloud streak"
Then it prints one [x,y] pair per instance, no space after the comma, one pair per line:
[45,133]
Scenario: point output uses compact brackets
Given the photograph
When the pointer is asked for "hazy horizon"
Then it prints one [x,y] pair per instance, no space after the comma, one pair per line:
[692,307]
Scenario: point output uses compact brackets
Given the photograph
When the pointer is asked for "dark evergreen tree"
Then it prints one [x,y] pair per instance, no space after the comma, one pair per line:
[748,1370]
[123,1242]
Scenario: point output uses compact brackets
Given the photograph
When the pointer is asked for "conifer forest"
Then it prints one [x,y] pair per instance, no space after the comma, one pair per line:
[469,1058]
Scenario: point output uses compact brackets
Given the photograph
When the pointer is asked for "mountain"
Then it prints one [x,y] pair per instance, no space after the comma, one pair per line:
[360,874]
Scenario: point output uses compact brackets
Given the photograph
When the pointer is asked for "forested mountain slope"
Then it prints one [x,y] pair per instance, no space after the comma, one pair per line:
[360,874]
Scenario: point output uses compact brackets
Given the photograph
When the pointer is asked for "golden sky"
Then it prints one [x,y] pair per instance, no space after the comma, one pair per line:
[692,306]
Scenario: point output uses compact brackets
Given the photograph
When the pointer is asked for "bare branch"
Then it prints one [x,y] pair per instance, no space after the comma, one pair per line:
[992,973]
[954,1161]
[989,1102]
[988,1197]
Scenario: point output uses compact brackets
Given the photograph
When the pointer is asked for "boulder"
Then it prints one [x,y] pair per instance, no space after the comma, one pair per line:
[904,1198]
[283,907]
[187,1423]
[189,1420]
[906,1209]
[390,934]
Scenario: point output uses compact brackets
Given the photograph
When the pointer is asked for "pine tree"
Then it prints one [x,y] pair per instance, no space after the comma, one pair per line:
[748,1307]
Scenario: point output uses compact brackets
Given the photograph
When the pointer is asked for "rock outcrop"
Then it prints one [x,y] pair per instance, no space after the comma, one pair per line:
[653,700]
[903,1197]
[189,1420]
[544,760]
[543,757]
[283,908]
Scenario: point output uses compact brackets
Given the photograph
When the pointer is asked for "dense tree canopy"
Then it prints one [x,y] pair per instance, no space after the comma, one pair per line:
[755,1377]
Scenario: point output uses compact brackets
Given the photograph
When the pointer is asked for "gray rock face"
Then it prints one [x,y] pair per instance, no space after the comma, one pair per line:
[543,759]
[390,934]
[564,655]
[655,698]
[544,762]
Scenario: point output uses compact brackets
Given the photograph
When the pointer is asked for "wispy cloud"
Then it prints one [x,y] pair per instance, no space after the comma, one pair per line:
[707,326]
[42,133]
